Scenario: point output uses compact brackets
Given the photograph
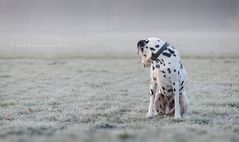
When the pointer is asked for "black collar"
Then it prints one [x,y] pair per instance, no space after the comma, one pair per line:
[160,51]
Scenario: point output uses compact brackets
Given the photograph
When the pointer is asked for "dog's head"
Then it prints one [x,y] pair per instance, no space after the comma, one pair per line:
[144,52]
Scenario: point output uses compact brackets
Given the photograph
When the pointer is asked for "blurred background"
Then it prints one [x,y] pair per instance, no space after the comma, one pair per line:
[111,28]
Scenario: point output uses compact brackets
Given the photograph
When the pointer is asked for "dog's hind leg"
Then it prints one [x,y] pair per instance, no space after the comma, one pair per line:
[159,104]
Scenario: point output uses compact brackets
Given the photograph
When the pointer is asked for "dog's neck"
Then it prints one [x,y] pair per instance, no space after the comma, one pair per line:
[157,50]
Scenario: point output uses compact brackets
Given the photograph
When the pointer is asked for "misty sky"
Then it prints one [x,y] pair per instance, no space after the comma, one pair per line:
[117,15]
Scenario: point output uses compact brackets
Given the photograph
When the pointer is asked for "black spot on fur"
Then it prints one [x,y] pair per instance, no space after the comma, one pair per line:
[174,90]
[142,49]
[180,93]
[163,88]
[170,90]
[171,51]
[152,48]
[160,61]
[182,83]
[146,41]
[153,67]
[174,83]
[174,70]
[164,75]
[169,71]
[181,66]
[156,46]
[146,47]
[151,91]
[178,72]
[174,55]
[166,54]
[157,66]
[181,88]
[163,71]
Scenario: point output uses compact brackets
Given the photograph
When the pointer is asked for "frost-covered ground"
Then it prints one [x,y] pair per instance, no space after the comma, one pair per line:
[106,99]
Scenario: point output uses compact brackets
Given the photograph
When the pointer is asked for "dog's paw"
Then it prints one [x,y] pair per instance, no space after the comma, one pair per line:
[178,116]
[149,115]
[156,113]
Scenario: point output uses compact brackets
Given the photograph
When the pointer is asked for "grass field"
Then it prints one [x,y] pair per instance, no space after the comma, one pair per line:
[106,99]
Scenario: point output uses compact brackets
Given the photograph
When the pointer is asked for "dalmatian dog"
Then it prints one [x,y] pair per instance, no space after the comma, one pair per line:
[168,78]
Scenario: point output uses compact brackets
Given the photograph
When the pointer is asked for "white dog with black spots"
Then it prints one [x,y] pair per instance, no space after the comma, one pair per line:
[167,73]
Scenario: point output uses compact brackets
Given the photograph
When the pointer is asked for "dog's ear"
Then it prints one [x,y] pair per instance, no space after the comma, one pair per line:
[140,45]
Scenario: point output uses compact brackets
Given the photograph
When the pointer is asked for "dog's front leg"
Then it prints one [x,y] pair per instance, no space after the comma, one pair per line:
[152,96]
[176,98]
